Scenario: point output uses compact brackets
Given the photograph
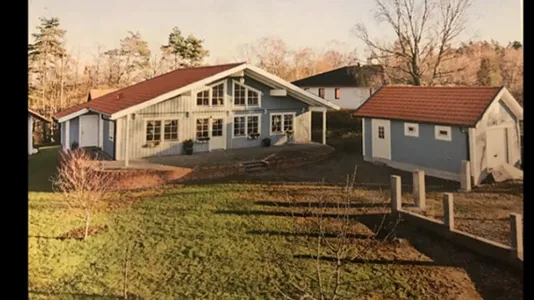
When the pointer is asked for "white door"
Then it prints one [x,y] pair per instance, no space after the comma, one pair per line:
[497,146]
[381,138]
[89,130]
[217,134]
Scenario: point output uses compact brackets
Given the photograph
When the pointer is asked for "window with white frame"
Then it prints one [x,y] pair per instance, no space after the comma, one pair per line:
[239,126]
[170,130]
[217,127]
[111,130]
[442,133]
[160,130]
[280,123]
[411,129]
[153,130]
[245,95]
[246,125]
[212,96]
[203,128]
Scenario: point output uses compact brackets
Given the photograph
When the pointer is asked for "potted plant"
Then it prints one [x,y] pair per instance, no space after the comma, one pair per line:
[188,146]
[266,142]
[254,136]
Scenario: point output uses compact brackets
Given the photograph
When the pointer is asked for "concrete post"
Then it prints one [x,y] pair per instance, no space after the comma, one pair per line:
[516,235]
[465,176]
[419,188]
[396,200]
[448,211]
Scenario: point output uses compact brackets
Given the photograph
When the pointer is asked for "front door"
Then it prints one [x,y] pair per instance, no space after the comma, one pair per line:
[497,146]
[381,139]
[217,139]
[89,130]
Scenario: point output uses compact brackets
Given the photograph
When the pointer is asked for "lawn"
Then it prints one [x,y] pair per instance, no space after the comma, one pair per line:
[221,241]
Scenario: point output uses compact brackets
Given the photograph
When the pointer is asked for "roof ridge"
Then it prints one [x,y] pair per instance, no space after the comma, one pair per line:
[456,87]
[168,73]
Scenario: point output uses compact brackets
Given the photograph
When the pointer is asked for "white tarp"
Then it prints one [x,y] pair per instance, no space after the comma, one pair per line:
[506,172]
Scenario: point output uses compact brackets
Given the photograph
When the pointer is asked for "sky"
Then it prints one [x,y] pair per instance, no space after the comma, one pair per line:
[225,25]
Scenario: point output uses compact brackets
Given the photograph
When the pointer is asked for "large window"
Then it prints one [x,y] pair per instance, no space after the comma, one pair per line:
[202,128]
[246,125]
[281,123]
[212,96]
[245,95]
[161,130]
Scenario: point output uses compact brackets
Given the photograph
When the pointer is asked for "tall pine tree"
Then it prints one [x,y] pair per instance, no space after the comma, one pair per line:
[182,51]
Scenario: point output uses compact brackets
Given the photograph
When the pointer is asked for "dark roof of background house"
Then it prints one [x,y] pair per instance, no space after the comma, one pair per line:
[462,106]
[344,76]
[148,89]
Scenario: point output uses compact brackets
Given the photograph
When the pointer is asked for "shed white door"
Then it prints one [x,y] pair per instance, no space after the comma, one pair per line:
[496,146]
[381,139]
[218,137]
[89,130]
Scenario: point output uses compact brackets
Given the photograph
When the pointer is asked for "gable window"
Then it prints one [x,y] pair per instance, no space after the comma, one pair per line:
[442,133]
[411,129]
[202,128]
[280,123]
[337,93]
[203,98]
[381,133]
[170,130]
[160,130]
[212,96]
[111,130]
[321,93]
[246,125]
[245,95]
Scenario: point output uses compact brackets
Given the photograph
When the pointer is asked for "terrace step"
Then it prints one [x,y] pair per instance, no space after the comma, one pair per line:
[255,166]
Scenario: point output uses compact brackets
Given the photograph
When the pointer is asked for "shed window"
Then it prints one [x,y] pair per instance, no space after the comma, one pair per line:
[442,133]
[337,93]
[321,93]
[245,95]
[411,129]
[239,126]
[171,130]
[217,127]
[281,123]
[381,133]
[246,125]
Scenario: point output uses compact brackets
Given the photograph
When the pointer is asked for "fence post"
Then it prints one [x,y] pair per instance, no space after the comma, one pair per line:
[448,211]
[396,200]
[516,235]
[419,188]
[465,176]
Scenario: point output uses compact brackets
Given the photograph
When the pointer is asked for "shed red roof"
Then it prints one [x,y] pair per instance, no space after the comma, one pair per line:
[440,105]
[148,89]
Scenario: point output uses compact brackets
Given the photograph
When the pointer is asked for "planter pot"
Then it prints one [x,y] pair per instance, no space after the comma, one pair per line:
[188,151]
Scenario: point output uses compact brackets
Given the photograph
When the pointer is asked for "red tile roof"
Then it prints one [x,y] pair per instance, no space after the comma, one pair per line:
[148,89]
[440,105]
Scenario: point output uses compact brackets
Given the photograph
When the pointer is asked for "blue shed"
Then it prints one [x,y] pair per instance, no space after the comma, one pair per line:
[436,128]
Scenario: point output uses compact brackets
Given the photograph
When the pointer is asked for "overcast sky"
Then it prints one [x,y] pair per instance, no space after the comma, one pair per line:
[224,25]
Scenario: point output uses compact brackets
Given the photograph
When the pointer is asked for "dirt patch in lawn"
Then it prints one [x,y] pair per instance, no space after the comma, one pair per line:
[79,233]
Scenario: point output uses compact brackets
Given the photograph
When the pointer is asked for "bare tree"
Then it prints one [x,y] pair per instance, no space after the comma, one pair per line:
[325,238]
[424,31]
[81,183]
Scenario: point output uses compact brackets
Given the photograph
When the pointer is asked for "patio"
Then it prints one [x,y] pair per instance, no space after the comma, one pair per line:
[223,157]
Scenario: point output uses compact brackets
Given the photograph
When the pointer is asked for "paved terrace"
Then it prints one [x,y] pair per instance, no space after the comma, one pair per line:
[221,157]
